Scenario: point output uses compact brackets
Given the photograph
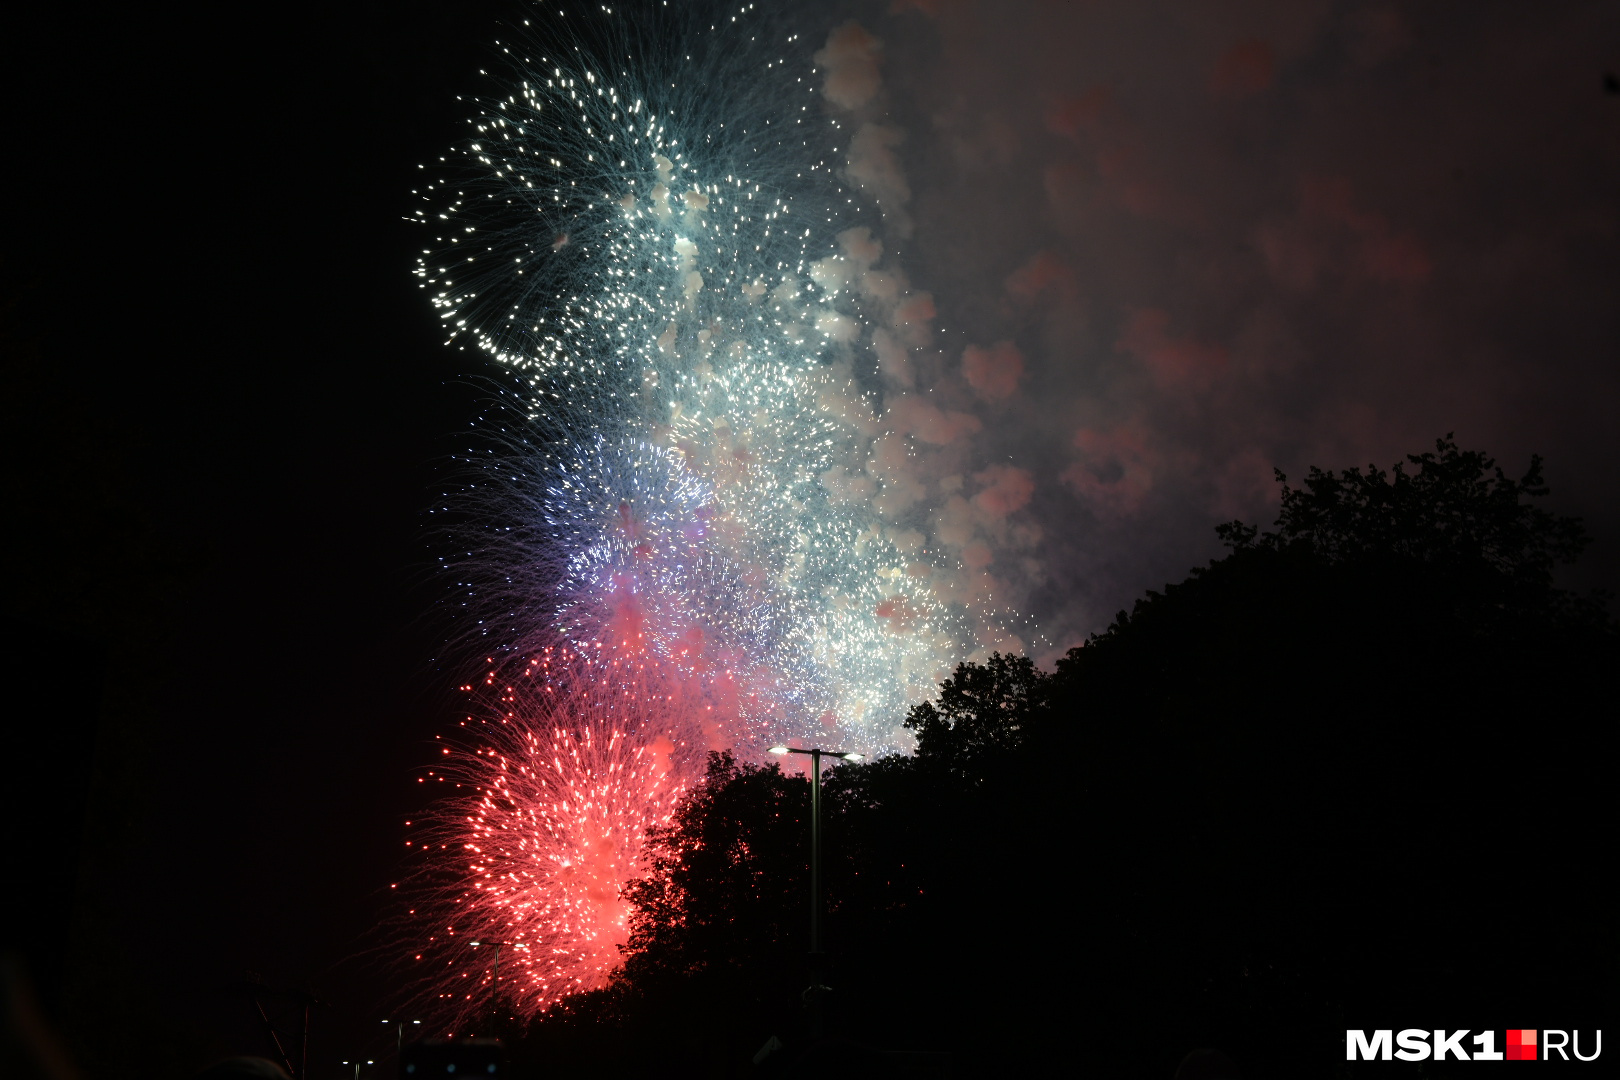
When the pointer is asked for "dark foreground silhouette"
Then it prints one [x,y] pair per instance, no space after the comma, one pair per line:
[1354,774]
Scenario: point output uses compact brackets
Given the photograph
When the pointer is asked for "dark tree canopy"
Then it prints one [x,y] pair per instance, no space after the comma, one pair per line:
[1458,507]
[1456,513]
[1289,794]
[735,845]
[980,711]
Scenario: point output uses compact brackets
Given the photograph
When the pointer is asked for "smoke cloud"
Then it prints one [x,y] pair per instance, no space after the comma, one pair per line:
[1166,247]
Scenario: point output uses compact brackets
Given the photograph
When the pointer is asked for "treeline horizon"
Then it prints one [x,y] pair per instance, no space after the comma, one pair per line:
[1350,774]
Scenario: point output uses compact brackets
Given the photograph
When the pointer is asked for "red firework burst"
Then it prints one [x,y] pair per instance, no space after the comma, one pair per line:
[556,790]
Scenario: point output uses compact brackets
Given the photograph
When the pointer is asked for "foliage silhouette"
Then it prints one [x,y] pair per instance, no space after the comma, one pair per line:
[980,712]
[1287,795]
[1459,506]
[1458,514]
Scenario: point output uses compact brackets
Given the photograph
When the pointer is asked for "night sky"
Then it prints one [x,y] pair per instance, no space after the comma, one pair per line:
[1169,245]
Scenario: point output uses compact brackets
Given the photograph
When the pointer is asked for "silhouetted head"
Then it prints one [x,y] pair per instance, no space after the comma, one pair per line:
[243,1068]
[1207,1065]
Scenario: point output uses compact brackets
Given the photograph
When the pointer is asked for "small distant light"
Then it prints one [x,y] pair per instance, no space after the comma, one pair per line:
[854,757]
[475,944]
[416,1021]
[777,750]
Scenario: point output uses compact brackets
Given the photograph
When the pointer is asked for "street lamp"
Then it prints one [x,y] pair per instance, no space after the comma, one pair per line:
[495,978]
[813,994]
[399,1037]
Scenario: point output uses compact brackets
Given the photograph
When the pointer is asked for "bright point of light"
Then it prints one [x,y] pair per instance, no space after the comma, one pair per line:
[777,750]
[853,757]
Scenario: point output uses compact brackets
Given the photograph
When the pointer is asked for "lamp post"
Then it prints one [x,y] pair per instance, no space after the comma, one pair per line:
[494,979]
[813,995]
[399,1036]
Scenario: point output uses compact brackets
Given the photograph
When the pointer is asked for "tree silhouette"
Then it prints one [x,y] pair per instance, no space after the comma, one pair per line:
[1312,755]
[1458,514]
[980,712]
[1289,794]
[720,913]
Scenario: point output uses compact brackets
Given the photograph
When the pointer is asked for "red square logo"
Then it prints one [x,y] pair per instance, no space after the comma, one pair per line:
[1521,1044]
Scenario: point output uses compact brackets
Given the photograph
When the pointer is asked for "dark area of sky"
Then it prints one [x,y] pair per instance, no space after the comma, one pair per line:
[206,255]
[233,394]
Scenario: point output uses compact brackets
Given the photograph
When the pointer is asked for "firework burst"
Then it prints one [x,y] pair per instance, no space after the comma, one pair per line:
[667,270]
[692,479]
[575,758]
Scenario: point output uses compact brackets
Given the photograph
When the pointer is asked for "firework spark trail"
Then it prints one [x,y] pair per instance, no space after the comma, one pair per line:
[701,474]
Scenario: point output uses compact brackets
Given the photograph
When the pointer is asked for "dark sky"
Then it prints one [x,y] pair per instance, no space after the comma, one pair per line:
[229,407]
[1218,237]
